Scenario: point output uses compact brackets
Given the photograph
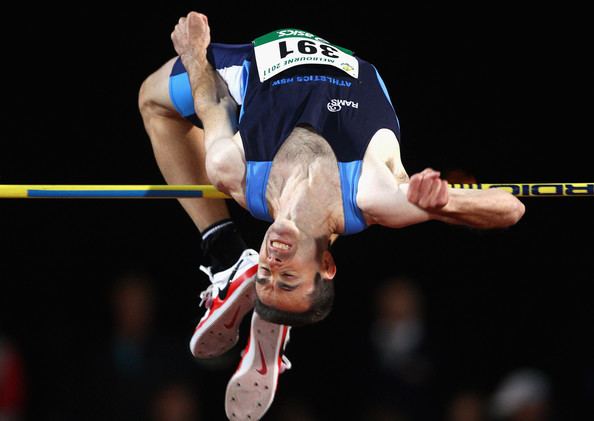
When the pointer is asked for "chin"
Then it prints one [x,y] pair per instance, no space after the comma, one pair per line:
[284,227]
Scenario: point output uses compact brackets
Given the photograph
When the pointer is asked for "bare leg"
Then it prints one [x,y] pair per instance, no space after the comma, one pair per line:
[178,146]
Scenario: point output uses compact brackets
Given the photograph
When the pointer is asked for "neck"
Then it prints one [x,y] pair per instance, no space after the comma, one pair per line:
[305,195]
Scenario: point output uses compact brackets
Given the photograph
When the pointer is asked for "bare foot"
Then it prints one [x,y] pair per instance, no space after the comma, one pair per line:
[190,37]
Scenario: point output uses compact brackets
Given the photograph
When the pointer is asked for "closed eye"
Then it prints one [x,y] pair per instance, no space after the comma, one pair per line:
[261,281]
[287,287]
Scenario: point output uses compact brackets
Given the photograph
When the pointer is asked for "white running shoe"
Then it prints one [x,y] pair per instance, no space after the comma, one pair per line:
[251,390]
[227,300]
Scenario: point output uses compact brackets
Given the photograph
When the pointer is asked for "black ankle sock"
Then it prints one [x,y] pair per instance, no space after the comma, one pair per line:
[222,245]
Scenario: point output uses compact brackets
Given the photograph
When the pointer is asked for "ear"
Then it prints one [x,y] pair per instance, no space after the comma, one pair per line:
[328,266]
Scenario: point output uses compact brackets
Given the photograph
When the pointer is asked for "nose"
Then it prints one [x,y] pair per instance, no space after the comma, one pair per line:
[273,260]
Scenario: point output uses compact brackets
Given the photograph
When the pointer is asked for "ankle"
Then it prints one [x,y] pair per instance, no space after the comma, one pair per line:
[222,245]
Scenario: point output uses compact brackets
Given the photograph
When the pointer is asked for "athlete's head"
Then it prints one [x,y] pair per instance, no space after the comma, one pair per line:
[294,281]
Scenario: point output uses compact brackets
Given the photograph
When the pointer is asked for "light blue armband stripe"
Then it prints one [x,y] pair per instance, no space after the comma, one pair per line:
[256,182]
[350,172]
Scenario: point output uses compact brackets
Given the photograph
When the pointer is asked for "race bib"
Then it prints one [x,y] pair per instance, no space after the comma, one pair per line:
[280,50]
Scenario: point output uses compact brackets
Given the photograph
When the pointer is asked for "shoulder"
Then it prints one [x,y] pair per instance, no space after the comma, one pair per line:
[382,174]
[382,164]
[383,146]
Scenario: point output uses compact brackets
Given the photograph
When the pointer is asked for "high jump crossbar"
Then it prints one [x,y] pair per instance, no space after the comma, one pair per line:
[42,191]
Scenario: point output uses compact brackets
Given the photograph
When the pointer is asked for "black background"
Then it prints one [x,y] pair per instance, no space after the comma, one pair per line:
[501,92]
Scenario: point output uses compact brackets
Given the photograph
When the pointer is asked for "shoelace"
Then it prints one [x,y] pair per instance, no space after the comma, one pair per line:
[207,271]
[208,295]
[285,363]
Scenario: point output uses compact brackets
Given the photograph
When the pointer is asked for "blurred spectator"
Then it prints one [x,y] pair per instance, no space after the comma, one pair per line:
[12,383]
[523,395]
[466,406]
[460,176]
[136,360]
[133,311]
[292,409]
[398,333]
[398,337]
[384,412]
[176,402]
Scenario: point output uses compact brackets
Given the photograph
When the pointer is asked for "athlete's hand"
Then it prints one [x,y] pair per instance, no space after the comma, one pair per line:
[427,190]
[191,36]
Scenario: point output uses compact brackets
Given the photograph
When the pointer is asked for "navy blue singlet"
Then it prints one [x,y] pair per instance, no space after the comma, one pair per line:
[345,111]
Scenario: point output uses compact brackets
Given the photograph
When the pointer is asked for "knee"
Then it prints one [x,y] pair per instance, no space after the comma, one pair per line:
[147,103]
[153,97]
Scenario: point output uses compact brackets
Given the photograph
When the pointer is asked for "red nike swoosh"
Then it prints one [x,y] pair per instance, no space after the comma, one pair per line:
[233,320]
[263,370]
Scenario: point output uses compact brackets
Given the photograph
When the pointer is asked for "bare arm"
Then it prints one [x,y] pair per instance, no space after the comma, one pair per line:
[492,208]
[225,162]
[427,197]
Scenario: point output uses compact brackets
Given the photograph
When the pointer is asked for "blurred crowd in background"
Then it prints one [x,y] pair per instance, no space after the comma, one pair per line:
[138,373]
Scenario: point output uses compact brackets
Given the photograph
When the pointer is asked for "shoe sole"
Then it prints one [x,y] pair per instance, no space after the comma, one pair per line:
[220,332]
[251,390]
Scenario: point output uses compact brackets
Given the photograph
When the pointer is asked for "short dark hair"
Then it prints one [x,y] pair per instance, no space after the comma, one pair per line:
[322,298]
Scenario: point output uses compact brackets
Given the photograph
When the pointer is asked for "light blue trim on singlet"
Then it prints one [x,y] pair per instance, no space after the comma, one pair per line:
[245,75]
[181,95]
[256,181]
[383,85]
[350,172]
[257,174]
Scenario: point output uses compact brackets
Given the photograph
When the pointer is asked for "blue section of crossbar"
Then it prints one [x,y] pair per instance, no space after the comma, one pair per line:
[112,193]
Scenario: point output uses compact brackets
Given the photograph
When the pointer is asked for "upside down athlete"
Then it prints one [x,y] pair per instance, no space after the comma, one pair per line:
[303,134]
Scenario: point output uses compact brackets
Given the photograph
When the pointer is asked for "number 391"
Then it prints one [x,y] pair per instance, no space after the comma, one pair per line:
[306,46]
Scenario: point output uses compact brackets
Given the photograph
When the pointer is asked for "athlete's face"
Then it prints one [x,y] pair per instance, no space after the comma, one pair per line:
[289,262]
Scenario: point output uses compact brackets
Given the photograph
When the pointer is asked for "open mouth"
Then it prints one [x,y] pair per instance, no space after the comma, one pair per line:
[280,245]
